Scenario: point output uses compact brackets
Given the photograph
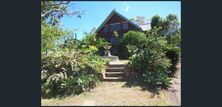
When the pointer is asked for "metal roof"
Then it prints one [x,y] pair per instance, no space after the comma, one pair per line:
[145,27]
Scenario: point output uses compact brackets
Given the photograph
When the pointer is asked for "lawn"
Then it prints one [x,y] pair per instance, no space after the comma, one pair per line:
[113,94]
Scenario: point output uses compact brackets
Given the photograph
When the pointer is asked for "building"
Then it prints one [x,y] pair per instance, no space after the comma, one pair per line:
[120,24]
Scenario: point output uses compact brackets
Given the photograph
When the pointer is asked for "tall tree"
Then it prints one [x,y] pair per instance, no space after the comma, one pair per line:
[140,20]
[156,21]
[167,26]
[53,11]
[173,23]
[51,30]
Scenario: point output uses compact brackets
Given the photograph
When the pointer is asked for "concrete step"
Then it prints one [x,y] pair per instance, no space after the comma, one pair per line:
[116,65]
[113,78]
[114,74]
[121,62]
[115,69]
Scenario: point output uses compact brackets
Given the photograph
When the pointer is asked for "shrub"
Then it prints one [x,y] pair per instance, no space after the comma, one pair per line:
[61,61]
[133,41]
[96,63]
[91,39]
[134,38]
[173,51]
[65,71]
[151,61]
[52,86]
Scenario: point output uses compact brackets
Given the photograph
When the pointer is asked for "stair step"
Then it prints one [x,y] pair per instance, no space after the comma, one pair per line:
[114,74]
[114,68]
[116,65]
[113,78]
[117,62]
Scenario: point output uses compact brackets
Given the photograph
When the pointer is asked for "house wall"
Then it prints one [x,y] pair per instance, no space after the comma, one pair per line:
[115,19]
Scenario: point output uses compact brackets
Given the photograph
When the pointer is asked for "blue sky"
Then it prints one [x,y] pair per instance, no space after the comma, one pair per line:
[95,12]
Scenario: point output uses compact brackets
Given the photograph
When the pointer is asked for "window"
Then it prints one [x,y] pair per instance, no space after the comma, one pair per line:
[125,25]
[114,26]
[112,39]
[106,29]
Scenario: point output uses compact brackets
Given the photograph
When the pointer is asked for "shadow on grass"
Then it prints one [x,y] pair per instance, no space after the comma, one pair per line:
[154,89]
[144,86]
[63,95]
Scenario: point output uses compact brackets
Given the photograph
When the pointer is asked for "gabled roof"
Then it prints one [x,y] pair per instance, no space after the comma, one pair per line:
[111,14]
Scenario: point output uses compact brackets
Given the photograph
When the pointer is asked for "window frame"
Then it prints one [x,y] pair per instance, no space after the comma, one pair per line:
[115,28]
[126,24]
[106,26]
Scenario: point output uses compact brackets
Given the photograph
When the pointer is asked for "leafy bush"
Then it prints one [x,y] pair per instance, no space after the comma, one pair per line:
[134,38]
[50,35]
[96,62]
[151,61]
[132,49]
[52,86]
[91,39]
[65,71]
[61,61]
[173,51]
[57,86]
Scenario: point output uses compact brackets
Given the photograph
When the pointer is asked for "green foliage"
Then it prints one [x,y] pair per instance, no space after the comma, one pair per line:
[175,39]
[156,21]
[89,49]
[70,43]
[167,26]
[134,38]
[95,62]
[100,42]
[151,61]
[173,51]
[132,49]
[51,31]
[70,71]
[84,81]
[49,36]
[72,85]
[52,86]
[61,61]
[134,41]
[91,39]
[69,67]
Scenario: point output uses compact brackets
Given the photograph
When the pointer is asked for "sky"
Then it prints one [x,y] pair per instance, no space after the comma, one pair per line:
[95,12]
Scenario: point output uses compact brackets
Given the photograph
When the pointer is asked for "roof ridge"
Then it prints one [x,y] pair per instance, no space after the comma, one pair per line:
[109,16]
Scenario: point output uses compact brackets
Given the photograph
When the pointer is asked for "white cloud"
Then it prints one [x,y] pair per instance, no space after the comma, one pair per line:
[127,8]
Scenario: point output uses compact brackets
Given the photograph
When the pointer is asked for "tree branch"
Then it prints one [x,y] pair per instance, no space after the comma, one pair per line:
[67,13]
[44,14]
